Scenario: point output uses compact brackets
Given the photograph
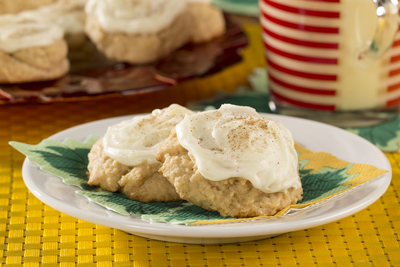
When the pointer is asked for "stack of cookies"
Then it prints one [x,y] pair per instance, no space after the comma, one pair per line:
[231,160]
[133,31]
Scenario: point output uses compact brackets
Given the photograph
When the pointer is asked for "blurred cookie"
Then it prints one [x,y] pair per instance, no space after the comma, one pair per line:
[137,31]
[16,6]
[207,21]
[124,159]
[31,51]
[232,161]
[67,14]
[142,31]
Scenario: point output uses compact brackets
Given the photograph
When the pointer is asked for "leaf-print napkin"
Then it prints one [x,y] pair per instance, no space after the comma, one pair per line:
[385,136]
[323,177]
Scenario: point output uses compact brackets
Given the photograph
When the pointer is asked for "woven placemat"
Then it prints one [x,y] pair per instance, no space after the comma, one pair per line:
[33,234]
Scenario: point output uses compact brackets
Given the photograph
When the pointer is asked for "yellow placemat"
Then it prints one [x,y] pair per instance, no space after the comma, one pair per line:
[33,234]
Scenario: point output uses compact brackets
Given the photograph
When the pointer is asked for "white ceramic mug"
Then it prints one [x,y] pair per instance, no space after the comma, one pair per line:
[332,55]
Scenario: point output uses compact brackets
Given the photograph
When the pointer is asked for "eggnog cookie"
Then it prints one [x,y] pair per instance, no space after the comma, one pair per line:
[16,6]
[207,21]
[67,14]
[142,182]
[103,170]
[137,31]
[124,159]
[232,161]
[31,51]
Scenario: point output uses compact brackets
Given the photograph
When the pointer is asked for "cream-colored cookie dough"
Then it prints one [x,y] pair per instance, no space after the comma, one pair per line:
[235,197]
[103,170]
[39,63]
[142,182]
[207,21]
[16,6]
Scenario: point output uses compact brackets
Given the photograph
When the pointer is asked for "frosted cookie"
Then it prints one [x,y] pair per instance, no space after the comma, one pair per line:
[138,31]
[67,14]
[16,6]
[233,161]
[124,159]
[31,51]
[207,21]
[142,182]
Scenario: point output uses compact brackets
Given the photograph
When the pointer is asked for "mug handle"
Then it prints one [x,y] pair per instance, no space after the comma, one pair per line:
[387,12]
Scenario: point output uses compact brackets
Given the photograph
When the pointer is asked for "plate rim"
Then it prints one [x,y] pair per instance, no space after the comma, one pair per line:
[208,231]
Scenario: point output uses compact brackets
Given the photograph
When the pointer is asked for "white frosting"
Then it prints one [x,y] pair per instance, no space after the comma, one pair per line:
[17,33]
[236,141]
[134,141]
[135,16]
[68,14]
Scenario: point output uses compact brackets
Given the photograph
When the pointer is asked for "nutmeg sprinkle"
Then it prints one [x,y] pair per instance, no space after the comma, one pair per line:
[236,141]
[131,142]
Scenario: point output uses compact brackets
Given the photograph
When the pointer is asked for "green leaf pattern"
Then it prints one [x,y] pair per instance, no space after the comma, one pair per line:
[335,180]
[69,160]
[385,136]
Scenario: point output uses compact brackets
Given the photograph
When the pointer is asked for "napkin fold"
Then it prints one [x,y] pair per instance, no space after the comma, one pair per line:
[324,177]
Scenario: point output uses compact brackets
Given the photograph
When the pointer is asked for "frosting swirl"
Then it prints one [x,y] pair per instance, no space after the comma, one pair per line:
[135,16]
[134,141]
[67,14]
[18,33]
[236,141]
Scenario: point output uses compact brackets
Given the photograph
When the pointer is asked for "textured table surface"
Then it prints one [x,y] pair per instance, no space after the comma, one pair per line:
[33,234]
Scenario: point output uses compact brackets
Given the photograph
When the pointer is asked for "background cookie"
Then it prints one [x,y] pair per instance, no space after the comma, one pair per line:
[33,64]
[16,6]
[31,51]
[138,48]
[137,31]
[207,22]
[66,14]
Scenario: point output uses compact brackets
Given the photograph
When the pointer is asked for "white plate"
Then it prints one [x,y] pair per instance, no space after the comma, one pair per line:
[312,135]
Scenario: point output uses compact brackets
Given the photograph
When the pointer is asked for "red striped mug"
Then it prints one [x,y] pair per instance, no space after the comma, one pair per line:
[332,56]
